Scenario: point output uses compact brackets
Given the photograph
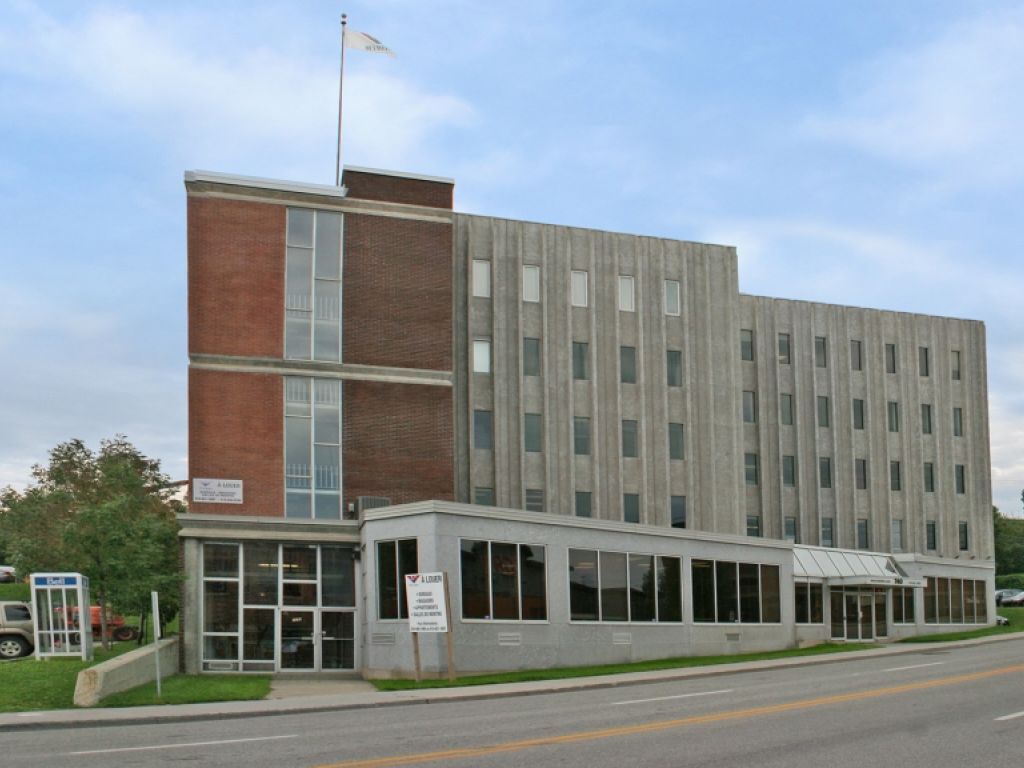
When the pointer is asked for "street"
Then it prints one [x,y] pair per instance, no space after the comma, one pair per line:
[938,707]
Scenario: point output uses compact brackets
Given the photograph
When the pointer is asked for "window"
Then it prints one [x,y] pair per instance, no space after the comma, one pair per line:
[789,529]
[789,471]
[746,344]
[631,507]
[503,581]
[958,422]
[810,606]
[897,535]
[785,357]
[893,411]
[862,533]
[673,305]
[959,479]
[482,356]
[313,285]
[964,541]
[895,479]
[481,278]
[955,364]
[730,592]
[312,448]
[531,357]
[820,352]
[584,504]
[750,407]
[534,500]
[581,435]
[922,361]
[395,559]
[856,355]
[621,587]
[827,532]
[786,409]
[929,477]
[627,365]
[860,470]
[825,472]
[955,601]
[890,358]
[931,535]
[531,283]
[754,525]
[533,433]
[858,414]
[926,419]
[630,439]
[677,511]
[674,367]
[750,468]
[578,288]
[580,360]
[626,300]
[902,605]
[483,497]
[483,434]
[823,411]
[676,442]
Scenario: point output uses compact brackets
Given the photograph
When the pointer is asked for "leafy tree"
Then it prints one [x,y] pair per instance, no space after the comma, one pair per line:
[1009,543]
[108,515]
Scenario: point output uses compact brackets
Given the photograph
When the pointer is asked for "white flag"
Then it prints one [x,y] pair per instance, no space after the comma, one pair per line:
[364,42]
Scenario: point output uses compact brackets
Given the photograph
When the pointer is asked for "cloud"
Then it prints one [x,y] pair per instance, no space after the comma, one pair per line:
[950,106]
[1007,436]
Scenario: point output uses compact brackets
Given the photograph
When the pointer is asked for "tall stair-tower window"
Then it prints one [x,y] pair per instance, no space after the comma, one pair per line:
[313,285]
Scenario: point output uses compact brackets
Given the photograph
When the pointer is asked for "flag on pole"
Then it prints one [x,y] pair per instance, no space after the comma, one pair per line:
[361,41]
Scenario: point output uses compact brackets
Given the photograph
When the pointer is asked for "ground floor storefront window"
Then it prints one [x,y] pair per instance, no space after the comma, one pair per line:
[267,607]
[955,601]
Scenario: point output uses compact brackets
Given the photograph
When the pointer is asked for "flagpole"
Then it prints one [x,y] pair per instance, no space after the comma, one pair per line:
[341,83]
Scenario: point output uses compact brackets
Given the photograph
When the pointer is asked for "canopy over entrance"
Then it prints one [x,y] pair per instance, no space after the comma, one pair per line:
[844,567]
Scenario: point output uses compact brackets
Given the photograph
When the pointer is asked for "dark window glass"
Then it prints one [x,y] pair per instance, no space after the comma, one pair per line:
[676,444]
[893,411]
[750,470]
[533,582]
[258,634]
[931,535]
[627,365]
[261,568]
[220,606]
[727,592]
[789,529]
[964,542]
[958,422]
[827,532]
[408,562]
[750,593]
[670,589]
[746,344]
[221,560]
[583,596]
[581,435]
[338,579]
[614,598]
[929,477]
[931,604]
[483,496]
[631,507]
[504,581]
[534,500]
[786,409]
[533,434]
[749,407]
[475,561]
[856,355]
[959,478]
[630,439]
[583,504]
[858,414]
[483,436]
[531,357]
[785,358]
[862,534]
[580,360]
[771,594]
[801,603]
[789,471]
[674,367]
[753,525]
[825,472]
[387,580]
[955,364]
[926,419]
[641,588]
[860,468]
[824,417]
[890,358]
[922,361]
[702,575]
[895,476]
[820,352]
[677,511]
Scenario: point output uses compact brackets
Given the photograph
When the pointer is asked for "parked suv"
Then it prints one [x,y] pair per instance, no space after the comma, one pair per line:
[15,630]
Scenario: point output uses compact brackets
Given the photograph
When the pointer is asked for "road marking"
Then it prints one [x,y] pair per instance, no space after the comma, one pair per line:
[667,698]
[1014,716]
[914,666]
[181,746]
[663,725]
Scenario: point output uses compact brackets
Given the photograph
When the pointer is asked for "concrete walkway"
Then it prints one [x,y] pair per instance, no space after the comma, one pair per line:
[295,696]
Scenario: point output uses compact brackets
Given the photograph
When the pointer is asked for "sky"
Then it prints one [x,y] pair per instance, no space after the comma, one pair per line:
[869,154]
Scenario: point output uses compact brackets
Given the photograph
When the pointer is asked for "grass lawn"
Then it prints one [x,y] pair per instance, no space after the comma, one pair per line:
[193,689]
[22,592]
[559,673]
[1015,615]
[30,684]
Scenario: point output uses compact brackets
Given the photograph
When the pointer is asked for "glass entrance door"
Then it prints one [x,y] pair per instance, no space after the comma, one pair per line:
[337,639]
[852,606]
[867,623]
[298,639]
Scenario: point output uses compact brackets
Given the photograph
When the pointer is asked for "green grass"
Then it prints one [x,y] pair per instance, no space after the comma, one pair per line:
[194,689]
[21,592]
[1015,615]
[560,673]
[30,684]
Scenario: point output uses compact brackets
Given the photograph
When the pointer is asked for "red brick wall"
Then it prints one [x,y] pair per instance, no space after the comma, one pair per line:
[236,432]
[398,292]
[396,189]
[398,441]
[235,277]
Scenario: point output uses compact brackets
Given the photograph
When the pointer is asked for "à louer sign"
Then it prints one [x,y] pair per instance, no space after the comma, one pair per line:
[424,593]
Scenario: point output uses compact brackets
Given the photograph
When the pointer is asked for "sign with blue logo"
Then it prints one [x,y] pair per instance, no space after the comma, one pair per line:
[64,580]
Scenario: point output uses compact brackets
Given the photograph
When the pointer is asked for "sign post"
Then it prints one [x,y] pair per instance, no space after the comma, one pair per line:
[156,639]
[427,597]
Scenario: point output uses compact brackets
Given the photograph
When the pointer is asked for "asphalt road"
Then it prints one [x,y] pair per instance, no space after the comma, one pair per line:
[950,707]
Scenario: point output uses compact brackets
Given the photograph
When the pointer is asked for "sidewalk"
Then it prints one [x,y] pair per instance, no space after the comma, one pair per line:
[352,697]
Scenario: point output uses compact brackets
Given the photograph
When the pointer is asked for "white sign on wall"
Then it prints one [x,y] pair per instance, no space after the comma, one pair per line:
[214,491]
[425,595]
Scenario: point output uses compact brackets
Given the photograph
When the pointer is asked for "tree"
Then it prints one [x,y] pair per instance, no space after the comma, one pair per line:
[108,515]
[1008,534]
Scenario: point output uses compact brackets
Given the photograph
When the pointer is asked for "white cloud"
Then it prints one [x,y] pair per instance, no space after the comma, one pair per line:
[1007,434]
[951,105]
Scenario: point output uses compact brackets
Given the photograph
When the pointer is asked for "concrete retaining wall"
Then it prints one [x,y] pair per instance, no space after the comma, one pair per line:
[129,670]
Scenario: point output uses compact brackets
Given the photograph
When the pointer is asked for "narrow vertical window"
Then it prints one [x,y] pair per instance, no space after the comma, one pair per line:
[897,535]
[789,471]
[534,500]
[931,535]
[581,435]
[531,283]
[533,433]
[483,436]
[483,497]
[856,355]
[674,367]
[630,439]
[820,352]
[750,468]
[481,278]
[828,538]
[964,540]
[960,479]
[890,358]
[958,422]
[786,409]
[860,471]
[825,472]
[531,357]
[580,360]
[754,525]
[313,448]
[313,285]
[749,407]
[631,507]
[923,367]
[626,298]
[584,504]
[895,476]
[863,541]
[789,529]
[482,356]
[926,419]
[858,413]
[929,477]
[672,301]
[785,356]
[627,365]
[824,416]
[746,344]
[578,288]
[893,413]
[676,444]
[955,364]
[677,511]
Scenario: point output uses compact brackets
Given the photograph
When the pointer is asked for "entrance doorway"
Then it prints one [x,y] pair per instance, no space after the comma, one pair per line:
[858,613]
[316,640]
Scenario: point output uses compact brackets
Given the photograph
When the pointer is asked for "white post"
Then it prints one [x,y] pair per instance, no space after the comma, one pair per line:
[156,639]
[341,85]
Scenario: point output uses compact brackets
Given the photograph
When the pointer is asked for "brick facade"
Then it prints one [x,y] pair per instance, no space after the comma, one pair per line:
[398,441]
[398,293]
[235,277]
[398,189]
[236,431]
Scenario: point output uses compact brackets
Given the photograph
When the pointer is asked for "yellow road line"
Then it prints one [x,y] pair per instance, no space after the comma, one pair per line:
[661,725]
